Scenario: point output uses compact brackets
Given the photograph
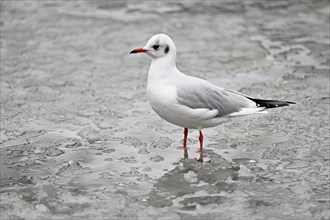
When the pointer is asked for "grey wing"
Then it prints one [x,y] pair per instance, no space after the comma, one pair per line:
[208,96]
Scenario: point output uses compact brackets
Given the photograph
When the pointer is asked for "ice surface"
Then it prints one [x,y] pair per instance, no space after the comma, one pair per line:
[80,141]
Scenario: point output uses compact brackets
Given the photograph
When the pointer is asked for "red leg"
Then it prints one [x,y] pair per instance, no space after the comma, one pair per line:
[200,146]
[185,142]
[185,137]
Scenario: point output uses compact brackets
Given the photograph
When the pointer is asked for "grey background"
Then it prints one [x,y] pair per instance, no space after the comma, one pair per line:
[79,139]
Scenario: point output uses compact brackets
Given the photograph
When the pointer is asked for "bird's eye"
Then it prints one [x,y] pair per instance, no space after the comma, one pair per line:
[156,47]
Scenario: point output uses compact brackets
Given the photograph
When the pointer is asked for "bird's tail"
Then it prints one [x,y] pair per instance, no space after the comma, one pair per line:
[270,103]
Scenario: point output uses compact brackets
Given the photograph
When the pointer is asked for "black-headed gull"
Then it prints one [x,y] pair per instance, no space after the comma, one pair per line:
[190,102]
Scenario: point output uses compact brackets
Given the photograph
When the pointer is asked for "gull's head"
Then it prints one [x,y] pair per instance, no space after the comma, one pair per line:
[158,46]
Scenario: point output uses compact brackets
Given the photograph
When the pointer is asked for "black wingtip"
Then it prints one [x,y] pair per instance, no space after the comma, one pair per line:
[271,103]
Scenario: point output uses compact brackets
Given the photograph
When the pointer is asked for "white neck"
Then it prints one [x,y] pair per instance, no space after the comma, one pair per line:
[164,62]
[161,68]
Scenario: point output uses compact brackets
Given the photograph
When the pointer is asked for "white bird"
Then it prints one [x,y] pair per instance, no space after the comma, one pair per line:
[191,102]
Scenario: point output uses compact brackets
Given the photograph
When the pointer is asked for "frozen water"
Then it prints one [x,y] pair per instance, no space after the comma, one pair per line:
[80,141]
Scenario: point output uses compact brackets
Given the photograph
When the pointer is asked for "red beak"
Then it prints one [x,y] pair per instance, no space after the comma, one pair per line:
[138,50]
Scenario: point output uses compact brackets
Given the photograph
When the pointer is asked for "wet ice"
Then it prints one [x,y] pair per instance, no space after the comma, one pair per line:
[79,139]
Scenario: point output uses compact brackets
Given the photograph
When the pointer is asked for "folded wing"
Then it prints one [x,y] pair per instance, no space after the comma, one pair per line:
[204,95]
[208,96]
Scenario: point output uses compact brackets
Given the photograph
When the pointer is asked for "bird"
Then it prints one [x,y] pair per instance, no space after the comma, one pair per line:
[191,102]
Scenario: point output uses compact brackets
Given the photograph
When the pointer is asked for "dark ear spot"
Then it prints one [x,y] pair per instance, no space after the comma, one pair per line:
[167,48]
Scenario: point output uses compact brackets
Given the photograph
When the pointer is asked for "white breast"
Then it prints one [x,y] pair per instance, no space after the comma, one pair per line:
[162,99]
